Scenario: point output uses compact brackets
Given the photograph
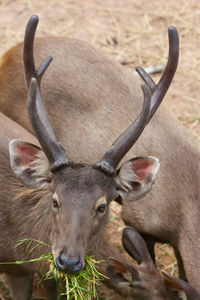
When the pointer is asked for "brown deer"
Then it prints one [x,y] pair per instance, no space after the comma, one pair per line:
[85,93]
[145,280]
[62,203]
[27,213]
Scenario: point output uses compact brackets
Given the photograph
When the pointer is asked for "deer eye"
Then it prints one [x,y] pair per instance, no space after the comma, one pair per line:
[101,208]
[55,203]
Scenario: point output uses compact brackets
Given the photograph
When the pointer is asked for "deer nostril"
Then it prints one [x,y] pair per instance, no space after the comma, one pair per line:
[69,265]
[59,262]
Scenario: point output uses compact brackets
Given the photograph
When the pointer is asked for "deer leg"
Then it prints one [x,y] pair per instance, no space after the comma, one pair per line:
[20,286]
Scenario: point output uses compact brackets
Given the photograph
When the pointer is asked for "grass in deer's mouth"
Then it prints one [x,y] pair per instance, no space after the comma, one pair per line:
[78,286]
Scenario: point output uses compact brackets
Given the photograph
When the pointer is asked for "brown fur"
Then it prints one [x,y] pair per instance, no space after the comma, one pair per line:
[145,278]
[26,213]
[91,100]
[13,199]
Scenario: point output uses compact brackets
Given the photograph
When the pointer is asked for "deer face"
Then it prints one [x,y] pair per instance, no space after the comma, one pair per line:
[81,198]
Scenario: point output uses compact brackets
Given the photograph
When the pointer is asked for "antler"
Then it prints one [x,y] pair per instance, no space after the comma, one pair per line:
[53,149]
[158,91]
[28,57]
[113,156]
[127,139]
[38,115]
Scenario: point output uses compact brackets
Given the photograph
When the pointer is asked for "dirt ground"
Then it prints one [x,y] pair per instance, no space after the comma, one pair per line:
[132,32]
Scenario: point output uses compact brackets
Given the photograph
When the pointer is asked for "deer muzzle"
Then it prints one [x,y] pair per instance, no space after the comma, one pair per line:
[69,264]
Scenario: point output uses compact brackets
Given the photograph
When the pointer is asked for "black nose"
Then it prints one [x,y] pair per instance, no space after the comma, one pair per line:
[69,265]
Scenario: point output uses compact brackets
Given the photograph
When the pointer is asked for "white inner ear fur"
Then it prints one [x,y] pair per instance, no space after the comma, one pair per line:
[100,201]
[41,167]
[126,174]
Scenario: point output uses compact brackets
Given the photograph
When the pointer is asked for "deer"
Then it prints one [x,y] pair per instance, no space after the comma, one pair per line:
[90,94]
[144,278]
[20,207]
[58,201]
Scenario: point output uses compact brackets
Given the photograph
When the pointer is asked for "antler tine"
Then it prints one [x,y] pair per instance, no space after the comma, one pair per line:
[147,79]
[28,56]
[127,139]
[42,68]
[53,149]
[158,91]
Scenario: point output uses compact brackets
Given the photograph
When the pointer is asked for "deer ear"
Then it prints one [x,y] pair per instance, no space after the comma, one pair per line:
[29,164]
[136,247]
[120,274]
[179,287]
[136,177]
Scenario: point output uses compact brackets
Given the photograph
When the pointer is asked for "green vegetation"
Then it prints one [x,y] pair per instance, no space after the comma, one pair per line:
[79,286]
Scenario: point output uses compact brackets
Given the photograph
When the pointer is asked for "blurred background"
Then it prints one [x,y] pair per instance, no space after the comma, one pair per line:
[131,32]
